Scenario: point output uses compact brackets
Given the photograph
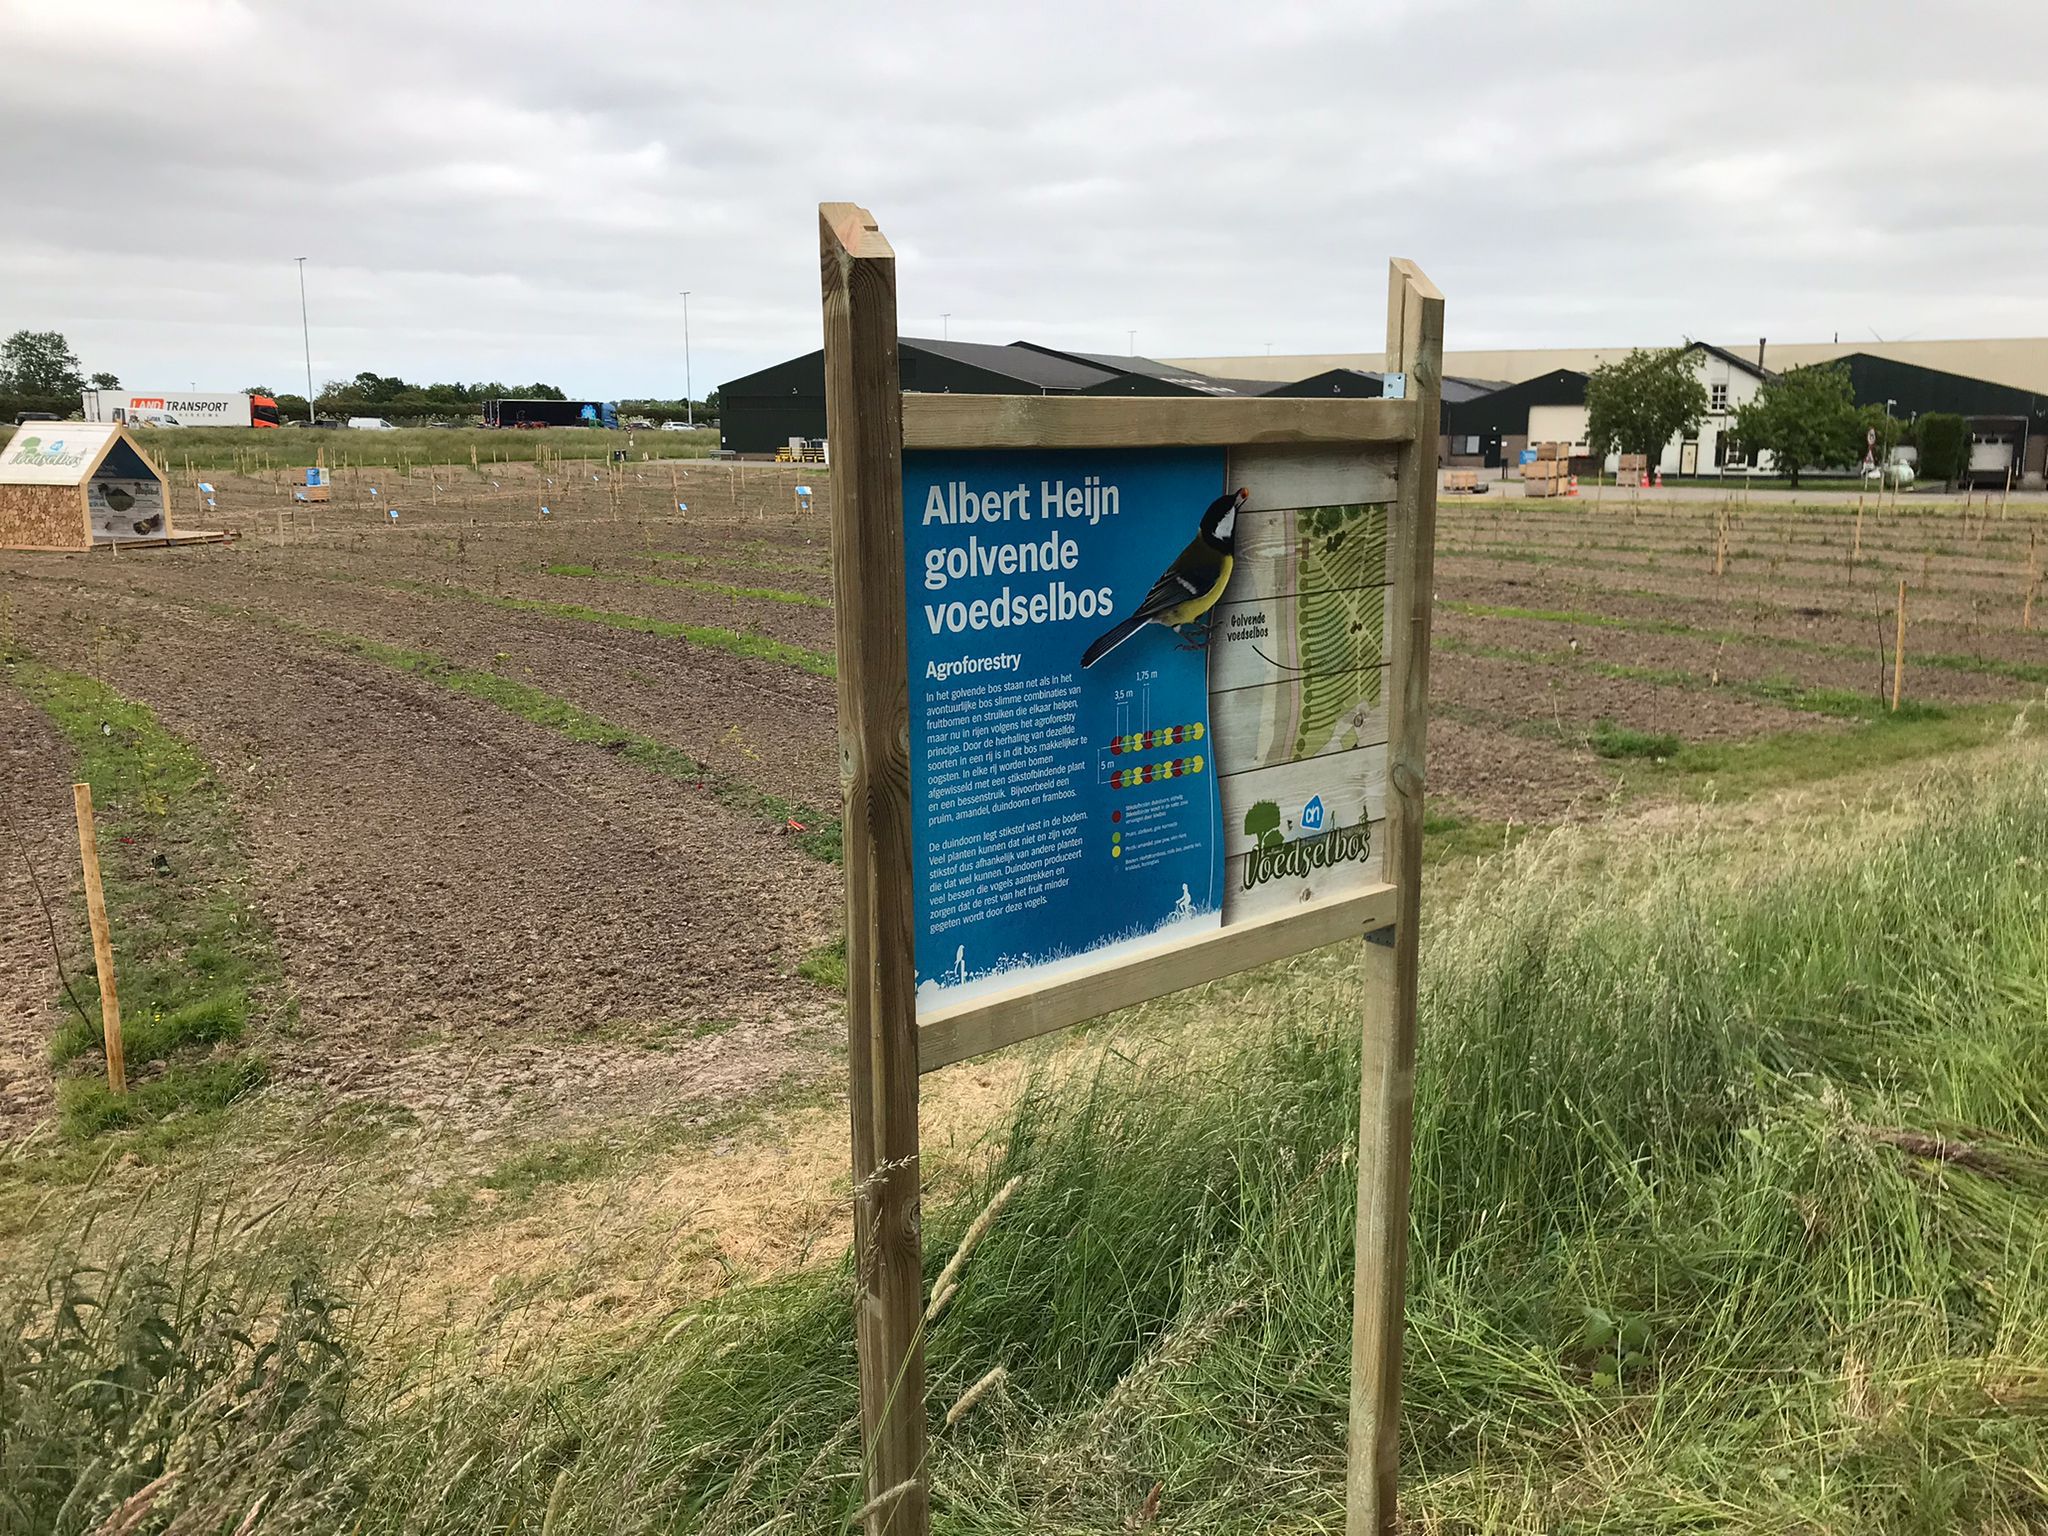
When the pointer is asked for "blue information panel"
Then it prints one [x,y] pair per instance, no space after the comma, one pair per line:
[1064,801]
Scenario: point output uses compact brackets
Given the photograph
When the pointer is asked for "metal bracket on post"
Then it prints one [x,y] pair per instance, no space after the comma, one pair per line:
[1383,936]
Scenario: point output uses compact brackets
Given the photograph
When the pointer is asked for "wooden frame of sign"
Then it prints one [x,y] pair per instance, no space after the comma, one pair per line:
[1381,454]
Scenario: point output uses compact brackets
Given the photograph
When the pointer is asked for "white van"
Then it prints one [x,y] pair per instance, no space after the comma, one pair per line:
[370,424]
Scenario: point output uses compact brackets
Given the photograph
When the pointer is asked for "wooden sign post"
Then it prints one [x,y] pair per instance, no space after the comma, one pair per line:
[1081,770]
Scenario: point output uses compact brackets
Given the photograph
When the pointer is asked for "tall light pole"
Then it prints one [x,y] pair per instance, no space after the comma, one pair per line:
[306,334]
[689,403]
[946,320]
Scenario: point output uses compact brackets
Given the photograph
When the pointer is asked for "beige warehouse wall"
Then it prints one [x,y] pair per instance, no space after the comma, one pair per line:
[2021,362]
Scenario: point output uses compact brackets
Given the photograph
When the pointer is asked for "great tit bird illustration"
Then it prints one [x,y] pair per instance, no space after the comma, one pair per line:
[149,524]
[1191,585]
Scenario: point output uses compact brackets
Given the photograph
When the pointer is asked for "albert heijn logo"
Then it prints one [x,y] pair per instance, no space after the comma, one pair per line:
[1312,814]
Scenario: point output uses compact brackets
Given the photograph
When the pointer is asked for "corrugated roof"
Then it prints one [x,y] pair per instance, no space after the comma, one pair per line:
[1120,365]
[1029,365]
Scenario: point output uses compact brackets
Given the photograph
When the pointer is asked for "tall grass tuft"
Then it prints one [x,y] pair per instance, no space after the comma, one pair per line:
[1729,1214]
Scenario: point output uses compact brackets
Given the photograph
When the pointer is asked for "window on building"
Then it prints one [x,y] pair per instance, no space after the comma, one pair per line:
[1718,396]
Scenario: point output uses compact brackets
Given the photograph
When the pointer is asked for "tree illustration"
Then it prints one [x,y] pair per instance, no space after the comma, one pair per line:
[1262,824]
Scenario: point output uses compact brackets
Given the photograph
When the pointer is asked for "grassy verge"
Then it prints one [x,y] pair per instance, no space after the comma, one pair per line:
[1734,769]
[820,839]
[233,447]
[694,584]
[754,562]
[193,955]
[711,636]
[2018,671]
[1730,1213]
[1837,703]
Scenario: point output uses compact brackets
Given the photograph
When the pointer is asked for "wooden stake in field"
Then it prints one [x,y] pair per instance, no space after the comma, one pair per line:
[1721,543]
[1899,649]
[1856,549]
[2033,580]
[102,938]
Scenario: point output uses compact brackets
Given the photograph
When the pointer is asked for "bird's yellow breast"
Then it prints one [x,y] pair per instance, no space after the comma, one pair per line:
[1195,607]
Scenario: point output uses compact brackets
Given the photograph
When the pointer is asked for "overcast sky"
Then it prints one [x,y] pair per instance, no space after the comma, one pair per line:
[517,190]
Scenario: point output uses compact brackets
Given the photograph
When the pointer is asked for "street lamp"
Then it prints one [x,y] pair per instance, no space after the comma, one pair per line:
[306,334]
[946,320]
[689,403]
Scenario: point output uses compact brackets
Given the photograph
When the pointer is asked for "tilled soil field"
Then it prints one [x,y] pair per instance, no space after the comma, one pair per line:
[539,806]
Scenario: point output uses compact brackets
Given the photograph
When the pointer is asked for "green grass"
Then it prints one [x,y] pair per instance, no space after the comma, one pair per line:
[826,965]
[1786,759]
[1620,741]
[198,1089]
[1446,836]
[192,952]
[2017,671]
[1729,1214]
[554,1162]
[695,584]
[228,448]
[691,562]
[821,839]
[711,636]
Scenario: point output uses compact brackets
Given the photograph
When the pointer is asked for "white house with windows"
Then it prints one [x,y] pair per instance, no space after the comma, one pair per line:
[1730,380]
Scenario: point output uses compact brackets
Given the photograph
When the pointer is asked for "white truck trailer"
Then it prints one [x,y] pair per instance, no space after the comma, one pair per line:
[178,408]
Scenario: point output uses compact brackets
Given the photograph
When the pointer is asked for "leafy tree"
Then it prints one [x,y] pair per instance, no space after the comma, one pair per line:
[1640,403]
[1944,446]
[105,380]
[1805,418]
[1262,824]
[397,399]
[40,363]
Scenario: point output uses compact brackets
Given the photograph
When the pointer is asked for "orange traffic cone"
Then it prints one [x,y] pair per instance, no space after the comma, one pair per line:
[1660,479]
[1575,487]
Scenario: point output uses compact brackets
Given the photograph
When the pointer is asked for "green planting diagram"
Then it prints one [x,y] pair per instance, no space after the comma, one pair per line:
[1340,619]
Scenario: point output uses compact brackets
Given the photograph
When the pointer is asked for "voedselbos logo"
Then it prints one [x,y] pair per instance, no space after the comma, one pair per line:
[1273,857]
[32,452]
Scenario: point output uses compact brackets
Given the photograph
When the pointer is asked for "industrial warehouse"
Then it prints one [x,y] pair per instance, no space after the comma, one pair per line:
[1496,406]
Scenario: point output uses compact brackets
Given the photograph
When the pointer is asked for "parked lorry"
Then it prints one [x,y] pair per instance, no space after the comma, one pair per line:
[174,408]
[551,413]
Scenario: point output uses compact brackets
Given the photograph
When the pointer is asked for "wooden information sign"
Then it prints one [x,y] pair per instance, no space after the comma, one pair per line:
[1132,696]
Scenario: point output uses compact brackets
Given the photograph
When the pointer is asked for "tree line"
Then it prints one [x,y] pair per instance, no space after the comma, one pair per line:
[40,371]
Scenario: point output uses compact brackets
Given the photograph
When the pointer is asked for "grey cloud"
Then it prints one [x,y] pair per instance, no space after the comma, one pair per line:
[515,190]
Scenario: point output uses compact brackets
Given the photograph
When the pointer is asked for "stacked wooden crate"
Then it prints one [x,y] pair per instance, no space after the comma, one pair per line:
[1551,472]
[1632,469]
